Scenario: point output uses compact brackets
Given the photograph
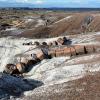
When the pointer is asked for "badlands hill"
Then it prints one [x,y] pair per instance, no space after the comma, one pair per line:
[49,24]
[64,77]
[71,24]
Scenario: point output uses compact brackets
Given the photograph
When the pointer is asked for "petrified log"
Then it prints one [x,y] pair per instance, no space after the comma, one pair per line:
[11,69]
[23,43]
[79,49]
[60,41]
[67,51]
[73,51]
[30,43]
[44,43]
[24,60]
[89,48]
[59,52]
[31,62]
[52,53]
[36,43]
[40,55]
[96,48]
[21,67]
[85,51]
[34,57]
[54,43]
[50,44]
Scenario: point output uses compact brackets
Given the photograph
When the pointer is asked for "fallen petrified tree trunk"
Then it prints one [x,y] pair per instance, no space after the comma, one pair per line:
[73,50]
[55,51]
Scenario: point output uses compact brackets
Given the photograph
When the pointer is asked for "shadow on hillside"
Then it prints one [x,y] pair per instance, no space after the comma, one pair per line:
[15,86]
[67,41]
[31,64]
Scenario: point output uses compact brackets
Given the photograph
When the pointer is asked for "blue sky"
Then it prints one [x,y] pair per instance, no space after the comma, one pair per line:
[50,3]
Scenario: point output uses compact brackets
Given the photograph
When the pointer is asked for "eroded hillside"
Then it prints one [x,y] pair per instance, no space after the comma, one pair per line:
[63,75]
[49,55]
[33,24]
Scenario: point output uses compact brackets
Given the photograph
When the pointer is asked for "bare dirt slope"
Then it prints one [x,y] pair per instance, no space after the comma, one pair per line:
[71,24]
[53,24]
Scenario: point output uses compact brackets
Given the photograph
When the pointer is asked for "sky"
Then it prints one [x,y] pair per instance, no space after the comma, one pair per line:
[51,3]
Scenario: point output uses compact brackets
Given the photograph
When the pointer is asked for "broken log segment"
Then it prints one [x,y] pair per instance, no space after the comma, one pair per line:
[54,43]
[36,43]
[21,67]
[79,49]
[73,51]
[50,44]
[24,60]
[60,41]
[59,52]
[30,63]
[11,69]
[54,51]
[40,55]
[96,48]
[89,48]
[44,43]
[67,51]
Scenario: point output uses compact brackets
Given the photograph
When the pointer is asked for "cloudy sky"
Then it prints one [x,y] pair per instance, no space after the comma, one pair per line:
[50,3]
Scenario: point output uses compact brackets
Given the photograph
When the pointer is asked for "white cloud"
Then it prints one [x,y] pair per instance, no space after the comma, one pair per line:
[26,1]
[39,1]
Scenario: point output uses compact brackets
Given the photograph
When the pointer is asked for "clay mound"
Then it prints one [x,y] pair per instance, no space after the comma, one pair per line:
[74,24]
[66,24]
[69,25]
